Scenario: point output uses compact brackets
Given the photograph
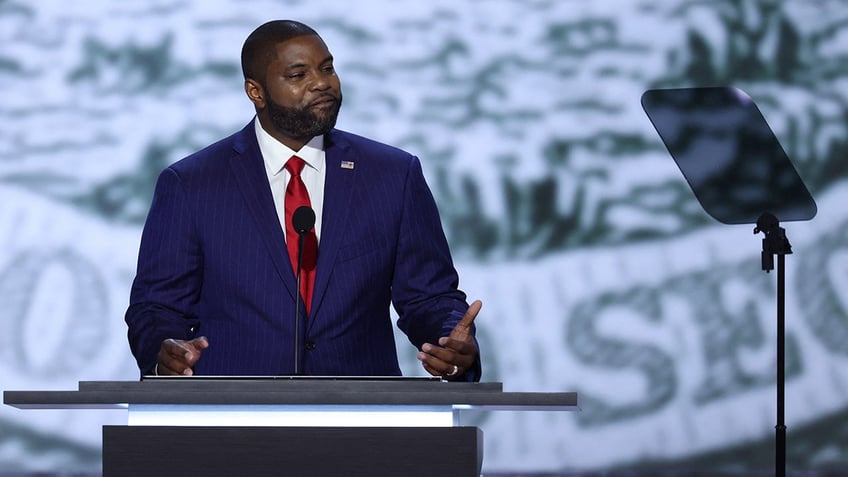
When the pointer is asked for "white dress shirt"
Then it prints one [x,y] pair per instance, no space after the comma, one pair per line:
[275,155]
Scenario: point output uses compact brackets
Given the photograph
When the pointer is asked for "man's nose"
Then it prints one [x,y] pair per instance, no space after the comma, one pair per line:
[321,82]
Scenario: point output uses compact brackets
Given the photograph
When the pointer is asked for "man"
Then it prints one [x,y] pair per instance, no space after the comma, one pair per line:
[217,274]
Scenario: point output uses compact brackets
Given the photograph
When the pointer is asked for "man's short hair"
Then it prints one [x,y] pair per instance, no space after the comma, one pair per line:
[259,48]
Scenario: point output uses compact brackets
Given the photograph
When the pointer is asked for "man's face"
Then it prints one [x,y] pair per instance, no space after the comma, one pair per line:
[302,92]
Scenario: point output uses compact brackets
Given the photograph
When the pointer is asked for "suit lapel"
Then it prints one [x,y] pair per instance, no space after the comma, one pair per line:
[249,172]
[339,184]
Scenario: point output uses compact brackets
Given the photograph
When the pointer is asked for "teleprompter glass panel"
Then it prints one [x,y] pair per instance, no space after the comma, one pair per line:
[728,154]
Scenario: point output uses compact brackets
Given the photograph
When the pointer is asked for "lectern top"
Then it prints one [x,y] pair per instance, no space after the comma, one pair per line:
[317,392]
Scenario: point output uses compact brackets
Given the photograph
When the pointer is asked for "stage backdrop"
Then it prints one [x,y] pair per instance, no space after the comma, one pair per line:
[598,270]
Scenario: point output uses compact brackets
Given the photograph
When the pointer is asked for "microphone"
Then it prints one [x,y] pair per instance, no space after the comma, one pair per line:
[303,220]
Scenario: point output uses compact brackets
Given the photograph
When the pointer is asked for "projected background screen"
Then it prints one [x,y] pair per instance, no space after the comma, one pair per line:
[599,271]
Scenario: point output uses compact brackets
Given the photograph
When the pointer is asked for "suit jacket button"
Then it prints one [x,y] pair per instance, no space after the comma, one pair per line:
[310,345]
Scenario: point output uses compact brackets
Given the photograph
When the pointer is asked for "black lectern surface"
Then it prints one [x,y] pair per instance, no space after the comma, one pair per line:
[337,444]
[326,391]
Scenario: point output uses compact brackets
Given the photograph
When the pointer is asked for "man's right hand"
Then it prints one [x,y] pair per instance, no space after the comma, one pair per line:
[179,357]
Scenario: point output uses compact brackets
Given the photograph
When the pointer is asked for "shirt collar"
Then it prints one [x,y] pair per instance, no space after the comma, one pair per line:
[276,154]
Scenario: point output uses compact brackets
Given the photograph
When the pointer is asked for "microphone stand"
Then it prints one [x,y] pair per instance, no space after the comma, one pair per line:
[776,243]
[302,221]
[300,238]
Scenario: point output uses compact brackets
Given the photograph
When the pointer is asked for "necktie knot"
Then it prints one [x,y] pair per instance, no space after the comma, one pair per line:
[295,165]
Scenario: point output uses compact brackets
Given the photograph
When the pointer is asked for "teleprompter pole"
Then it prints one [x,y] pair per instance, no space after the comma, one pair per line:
[776,243]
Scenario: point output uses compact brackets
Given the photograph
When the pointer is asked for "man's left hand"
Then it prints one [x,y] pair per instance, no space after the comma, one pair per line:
[456,353]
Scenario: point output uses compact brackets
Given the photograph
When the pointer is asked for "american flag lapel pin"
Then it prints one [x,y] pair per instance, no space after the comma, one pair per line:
[347,164]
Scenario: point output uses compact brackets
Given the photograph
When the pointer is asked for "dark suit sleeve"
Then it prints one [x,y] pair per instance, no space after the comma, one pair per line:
[425,286]
[168,278]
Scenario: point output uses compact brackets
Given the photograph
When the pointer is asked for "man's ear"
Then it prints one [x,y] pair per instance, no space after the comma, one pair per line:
[255,93]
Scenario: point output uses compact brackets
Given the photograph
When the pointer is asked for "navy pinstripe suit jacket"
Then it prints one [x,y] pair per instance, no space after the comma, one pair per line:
[213,262]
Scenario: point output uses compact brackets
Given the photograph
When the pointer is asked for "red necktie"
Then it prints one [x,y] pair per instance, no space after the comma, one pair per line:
[297,196]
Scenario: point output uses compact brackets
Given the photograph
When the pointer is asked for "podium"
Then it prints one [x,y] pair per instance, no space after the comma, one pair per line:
[257,426]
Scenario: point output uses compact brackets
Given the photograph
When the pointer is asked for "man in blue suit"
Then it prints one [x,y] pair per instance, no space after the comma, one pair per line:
[215,287]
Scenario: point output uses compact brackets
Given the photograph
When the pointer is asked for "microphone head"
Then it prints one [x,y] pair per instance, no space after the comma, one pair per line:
[303,219]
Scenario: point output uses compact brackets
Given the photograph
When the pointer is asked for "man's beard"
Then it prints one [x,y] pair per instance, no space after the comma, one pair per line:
[301,122]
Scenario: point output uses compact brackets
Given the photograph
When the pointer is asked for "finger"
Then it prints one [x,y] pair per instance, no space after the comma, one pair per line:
[175,348]
[201,342]
[465,346]
[168,365]
[463,328]
[438,367]
[188,351]
[430,369]
[443,355]
[170,368]
[444,358]
[178,356]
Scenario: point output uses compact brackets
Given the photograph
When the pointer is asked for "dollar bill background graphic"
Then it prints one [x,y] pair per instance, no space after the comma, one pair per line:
[599,271]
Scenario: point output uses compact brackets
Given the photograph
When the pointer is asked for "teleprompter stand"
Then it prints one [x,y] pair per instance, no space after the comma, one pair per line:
[776,243]
[740,174]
